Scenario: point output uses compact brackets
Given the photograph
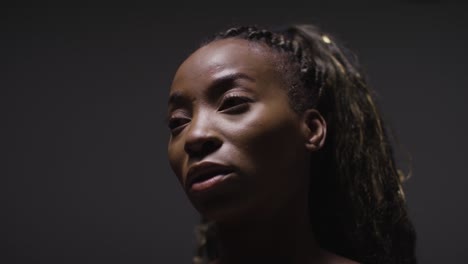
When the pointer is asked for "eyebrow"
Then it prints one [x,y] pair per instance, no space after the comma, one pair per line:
[223,82]
[176,98]
[218,86]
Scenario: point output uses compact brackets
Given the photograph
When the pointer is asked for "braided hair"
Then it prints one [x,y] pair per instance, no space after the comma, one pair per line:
[365,216]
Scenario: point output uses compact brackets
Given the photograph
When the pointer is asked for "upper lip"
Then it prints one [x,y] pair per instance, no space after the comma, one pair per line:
[203,170]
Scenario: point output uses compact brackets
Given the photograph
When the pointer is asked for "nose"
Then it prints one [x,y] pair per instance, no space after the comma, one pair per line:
[201,138]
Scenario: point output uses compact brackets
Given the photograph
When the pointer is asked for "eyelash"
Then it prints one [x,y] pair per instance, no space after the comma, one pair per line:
[231,103]
[234,102]
[176,122]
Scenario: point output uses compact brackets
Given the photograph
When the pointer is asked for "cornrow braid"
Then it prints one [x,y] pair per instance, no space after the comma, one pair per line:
[304,92]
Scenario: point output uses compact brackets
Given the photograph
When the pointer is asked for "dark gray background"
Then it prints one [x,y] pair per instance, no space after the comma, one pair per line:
[84,92]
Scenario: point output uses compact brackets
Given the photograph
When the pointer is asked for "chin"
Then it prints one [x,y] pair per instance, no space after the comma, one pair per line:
[224,209]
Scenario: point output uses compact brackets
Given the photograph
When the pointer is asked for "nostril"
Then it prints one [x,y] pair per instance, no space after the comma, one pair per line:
[202,147]
[211,145]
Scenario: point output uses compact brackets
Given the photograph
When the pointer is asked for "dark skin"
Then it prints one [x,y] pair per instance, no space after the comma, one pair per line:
[229,106]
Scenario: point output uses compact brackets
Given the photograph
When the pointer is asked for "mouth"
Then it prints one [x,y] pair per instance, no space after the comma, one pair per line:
[206,175]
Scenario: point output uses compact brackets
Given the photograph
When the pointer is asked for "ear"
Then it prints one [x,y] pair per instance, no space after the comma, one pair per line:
[314,129]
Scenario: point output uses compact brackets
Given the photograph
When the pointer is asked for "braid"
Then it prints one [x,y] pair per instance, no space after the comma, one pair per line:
[305,91]
[364,216]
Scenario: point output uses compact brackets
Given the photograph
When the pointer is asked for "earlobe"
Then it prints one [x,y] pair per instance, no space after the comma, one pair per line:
[314,129]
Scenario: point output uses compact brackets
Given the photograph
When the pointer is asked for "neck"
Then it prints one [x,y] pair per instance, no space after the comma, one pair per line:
[283,237]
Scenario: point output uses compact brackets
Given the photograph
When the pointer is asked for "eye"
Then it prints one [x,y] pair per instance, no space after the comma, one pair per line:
[175,124]
[234,103]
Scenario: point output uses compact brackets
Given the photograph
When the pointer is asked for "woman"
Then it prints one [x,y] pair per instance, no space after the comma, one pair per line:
[278,144]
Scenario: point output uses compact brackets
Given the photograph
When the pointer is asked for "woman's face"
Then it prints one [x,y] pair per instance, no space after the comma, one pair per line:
[236,146]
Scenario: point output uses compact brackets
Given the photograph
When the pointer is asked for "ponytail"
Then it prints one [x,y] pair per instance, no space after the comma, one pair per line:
[358,190]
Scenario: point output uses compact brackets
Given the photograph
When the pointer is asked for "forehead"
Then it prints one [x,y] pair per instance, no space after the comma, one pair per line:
[227,56]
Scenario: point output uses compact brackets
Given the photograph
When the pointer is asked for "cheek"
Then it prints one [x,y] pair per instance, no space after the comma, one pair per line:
[176,158]
[268,141]
[269,153]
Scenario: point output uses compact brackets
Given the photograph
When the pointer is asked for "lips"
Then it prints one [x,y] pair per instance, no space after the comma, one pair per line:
[203,172]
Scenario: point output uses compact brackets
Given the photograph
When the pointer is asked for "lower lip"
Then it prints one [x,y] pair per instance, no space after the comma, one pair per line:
[209,183]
